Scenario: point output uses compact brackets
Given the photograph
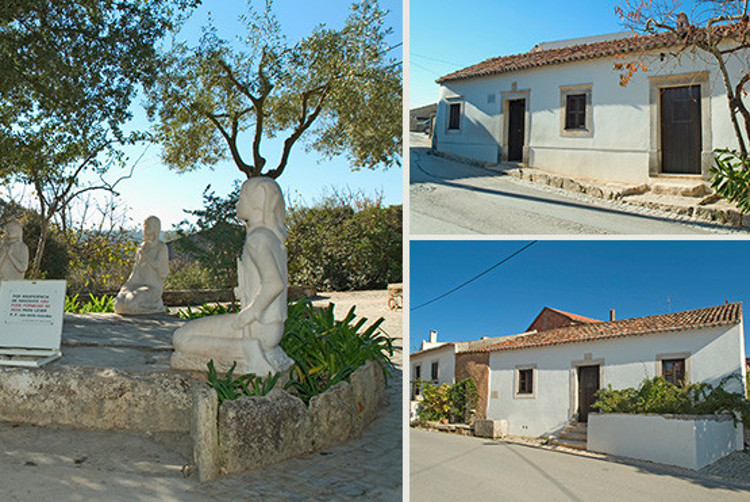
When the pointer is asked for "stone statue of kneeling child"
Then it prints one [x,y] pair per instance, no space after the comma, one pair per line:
[251,337]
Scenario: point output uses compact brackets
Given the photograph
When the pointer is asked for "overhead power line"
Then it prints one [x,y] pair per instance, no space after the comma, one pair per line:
[493,267]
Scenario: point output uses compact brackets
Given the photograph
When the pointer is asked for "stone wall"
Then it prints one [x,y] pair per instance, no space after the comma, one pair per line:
[475,366]
[95,398]
[252,432]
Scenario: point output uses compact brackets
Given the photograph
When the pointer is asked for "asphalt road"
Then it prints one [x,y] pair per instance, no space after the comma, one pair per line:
[448,197]
[450,467]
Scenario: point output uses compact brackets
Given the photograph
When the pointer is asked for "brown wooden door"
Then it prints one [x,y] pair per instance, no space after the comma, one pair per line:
[516,114]
[588,384]
[681,130]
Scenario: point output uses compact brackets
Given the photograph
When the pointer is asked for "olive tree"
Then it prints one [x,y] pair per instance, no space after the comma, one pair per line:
[338,90]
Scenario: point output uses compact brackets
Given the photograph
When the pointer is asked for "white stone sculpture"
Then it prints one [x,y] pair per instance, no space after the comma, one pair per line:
[14,254]
[141,293]
[251,337]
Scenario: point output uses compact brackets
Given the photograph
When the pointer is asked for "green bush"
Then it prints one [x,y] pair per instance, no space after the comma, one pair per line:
[326,351]
[730,177]
[452,403]
[659,396]
[339,245]
[56,255]
[190,275]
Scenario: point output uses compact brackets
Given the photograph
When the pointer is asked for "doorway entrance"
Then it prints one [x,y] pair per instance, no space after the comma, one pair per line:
[516,115]
[588,384]
[680,129]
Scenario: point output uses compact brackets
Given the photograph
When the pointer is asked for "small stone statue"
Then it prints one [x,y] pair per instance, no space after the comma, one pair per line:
[141,293]
[14,254]
[251,337]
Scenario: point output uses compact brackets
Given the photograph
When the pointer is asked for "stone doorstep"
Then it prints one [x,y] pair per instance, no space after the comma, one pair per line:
[683,197]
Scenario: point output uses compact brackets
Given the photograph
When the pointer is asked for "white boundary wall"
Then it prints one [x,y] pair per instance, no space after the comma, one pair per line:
[684,440]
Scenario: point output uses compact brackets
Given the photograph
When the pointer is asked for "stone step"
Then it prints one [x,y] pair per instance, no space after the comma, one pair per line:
[575,436]
[577,428]
[679,187]
[569,443]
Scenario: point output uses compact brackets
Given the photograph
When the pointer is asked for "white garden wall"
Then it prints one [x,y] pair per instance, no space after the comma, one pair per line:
[683,440]
[623,123]
[711,354]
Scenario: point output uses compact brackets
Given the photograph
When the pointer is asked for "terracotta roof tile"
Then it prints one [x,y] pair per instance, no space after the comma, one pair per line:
[574,317]
[707,317]
[533,59]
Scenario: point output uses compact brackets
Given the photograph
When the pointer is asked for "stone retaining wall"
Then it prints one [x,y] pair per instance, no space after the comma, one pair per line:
[94,398]
[252,432]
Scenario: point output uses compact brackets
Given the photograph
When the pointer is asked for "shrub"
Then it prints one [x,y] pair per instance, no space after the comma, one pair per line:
[730,177]
[453,403]
[55,258]
[189,275]
[326,351]
[659,396]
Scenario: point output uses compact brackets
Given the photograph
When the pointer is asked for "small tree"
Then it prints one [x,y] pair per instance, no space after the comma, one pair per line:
[720,30]
[337,87]
[70,70]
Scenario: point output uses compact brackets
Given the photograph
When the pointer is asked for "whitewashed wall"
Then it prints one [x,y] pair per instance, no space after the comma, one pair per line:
[446,359]
[686,441]
[622,123]
[714,353]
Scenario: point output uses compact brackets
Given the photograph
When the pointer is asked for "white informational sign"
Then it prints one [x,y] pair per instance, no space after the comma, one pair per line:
[31,319]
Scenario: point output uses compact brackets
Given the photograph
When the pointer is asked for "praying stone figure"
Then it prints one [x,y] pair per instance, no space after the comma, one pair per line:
[141,293]
[250,337]
[14,254]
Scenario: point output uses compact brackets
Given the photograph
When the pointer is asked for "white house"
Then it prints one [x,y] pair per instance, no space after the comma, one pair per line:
[560,108]
[541,382]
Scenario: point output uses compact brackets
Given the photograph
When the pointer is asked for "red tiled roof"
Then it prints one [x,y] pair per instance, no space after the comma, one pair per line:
[692,319]
[574,317]
[580,52]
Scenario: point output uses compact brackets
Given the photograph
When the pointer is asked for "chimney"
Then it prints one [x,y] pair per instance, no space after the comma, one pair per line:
[433,336]
[611,315]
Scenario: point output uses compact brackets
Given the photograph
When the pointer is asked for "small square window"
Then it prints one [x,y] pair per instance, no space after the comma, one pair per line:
[673,371]
[454,116]
[526,381]
[434,372]
[575,111]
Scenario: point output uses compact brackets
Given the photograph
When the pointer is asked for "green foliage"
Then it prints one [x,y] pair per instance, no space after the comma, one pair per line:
[436,402]
[99,261]
[216,239]
[186,275]
[347,242]
[327,351]
[229,388]
[336,88]
[56,254]
[451,403]
[659,396]
[208,309]
[730,177]
[95,304]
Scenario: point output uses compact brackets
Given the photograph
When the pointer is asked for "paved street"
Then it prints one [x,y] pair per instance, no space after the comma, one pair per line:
[448,197]
[451,467]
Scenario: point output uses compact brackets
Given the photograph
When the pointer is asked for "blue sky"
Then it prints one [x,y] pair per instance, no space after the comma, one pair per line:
[636,278]
[446,36]
[156,190]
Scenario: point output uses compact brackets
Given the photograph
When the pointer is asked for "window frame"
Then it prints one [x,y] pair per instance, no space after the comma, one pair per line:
[434,372]
[454,103]
[517,381]
[587,129]
[674,356]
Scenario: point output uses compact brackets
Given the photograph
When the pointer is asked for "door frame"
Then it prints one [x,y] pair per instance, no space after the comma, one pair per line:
[507,97]
[655,148]
[574,365]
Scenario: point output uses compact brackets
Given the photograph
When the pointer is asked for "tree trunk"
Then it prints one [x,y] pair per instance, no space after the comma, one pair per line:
[35,271]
